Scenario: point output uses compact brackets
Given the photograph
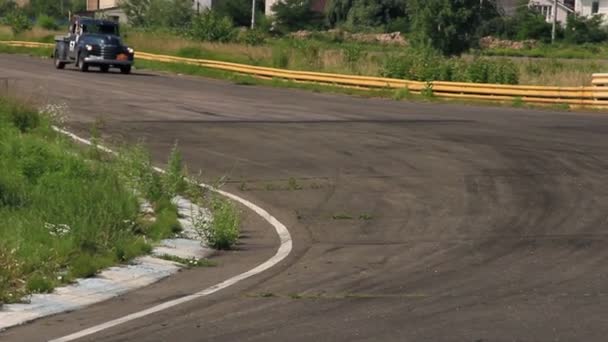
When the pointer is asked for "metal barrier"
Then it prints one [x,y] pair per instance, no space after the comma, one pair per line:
[595,96]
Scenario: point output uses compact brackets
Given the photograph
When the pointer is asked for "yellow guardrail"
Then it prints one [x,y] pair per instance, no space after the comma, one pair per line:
[595,96]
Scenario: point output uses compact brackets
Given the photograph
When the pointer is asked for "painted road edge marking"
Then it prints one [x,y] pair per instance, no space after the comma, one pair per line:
[284,250]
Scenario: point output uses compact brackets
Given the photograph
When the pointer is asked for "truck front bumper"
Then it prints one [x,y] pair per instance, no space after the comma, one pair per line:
[99,60]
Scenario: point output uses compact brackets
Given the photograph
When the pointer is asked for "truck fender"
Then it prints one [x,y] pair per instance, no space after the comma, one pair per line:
[61,50]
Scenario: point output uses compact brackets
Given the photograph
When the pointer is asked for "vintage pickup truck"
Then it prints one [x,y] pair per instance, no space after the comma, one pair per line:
[93,42]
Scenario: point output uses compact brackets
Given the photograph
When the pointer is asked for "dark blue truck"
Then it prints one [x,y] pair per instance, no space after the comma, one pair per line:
[93,43]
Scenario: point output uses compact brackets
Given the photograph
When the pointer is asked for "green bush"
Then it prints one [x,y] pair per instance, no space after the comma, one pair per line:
[47,22]
[293,15]
[223,231]
[209,26]
[427,65]
[253,37]
[280,57]
[239,10]
[352,54]
[174,179]
[580,30]
[18,22]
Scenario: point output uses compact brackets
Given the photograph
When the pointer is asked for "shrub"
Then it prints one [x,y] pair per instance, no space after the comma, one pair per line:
[352,54]
[293,15]
[173,14]
[38,283]
[280,57]
[580,30]
[209,26]
[174,180]
[18,22]
[253,37]
[47,22]
[427,65]
[239,10]
[25,119]
[10,269]
[223,230]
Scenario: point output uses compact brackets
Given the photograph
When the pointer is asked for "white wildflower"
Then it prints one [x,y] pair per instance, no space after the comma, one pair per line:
[57,230]
[56,112]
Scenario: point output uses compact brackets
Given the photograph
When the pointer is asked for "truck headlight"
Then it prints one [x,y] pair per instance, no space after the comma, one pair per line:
[130,50]
[89,47]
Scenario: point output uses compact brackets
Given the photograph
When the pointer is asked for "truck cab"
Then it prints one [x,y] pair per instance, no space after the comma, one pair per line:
[93,43]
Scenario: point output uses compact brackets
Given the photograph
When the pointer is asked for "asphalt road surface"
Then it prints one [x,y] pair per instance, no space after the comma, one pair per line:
[411,222]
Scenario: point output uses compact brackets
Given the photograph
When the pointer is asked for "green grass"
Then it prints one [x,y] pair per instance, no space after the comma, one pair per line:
[193,262]
[559,50]
[342,216]
[63,215]
[223,230]
[38,52]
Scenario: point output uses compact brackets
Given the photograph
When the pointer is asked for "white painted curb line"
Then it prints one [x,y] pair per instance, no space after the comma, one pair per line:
[284,250]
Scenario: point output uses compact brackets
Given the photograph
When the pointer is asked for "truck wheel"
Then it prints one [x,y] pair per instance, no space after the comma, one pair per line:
[82,66]
[58,63]
[126,69]
[104,68]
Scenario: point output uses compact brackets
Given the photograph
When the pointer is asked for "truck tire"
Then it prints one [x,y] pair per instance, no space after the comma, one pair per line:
[125,69]
[104,68]
[58,63]
[81,65]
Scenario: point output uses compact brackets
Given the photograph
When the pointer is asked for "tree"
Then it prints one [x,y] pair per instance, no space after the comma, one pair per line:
[136,10]
[239,10]
[176,14]
[292,15]
[6,7]
[580,30]
[361,14]
[446,25]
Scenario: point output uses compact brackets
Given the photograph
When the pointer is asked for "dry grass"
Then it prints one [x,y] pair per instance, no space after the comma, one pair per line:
[35,34]
[559,72]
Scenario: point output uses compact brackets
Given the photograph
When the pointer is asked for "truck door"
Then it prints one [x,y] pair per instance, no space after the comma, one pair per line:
[73,41]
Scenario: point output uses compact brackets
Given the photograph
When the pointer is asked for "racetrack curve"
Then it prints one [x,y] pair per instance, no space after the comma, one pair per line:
[411,221]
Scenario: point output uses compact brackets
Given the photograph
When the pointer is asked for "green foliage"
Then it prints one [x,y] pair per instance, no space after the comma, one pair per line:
[172,14]
[174,179]
[6,6]
[134,167]
[580,30]
[18,21]
[353,53]
[530,24]
[212,27]
[402,93]
[47,22]
[239,10]
[429,65]
[388,15]
[448,26]
[38,283]
[223,230]
[280,57]
[21,116]
[293,15]
[59,211]
[253,37]
[483,70]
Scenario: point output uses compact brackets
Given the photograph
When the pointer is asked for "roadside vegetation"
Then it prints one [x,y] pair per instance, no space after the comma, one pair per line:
[67,212]
[350,36]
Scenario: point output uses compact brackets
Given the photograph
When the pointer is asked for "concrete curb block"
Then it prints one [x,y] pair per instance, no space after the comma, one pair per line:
[118,280]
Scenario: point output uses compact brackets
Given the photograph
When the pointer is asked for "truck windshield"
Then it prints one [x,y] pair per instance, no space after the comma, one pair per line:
[101,29]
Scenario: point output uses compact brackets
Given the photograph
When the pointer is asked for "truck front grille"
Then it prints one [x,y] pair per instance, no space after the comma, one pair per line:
[106,51]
